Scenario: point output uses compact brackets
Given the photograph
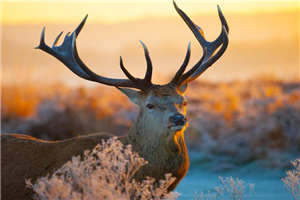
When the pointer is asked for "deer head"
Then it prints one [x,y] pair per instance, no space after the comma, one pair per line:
[162,107]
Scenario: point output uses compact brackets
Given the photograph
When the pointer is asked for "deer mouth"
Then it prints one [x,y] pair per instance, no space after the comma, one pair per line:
[177,126]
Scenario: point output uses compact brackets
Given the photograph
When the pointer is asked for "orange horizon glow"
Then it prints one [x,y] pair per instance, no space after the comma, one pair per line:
[115,11]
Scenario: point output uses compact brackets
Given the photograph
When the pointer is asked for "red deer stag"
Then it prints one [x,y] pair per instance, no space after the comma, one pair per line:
[157,135]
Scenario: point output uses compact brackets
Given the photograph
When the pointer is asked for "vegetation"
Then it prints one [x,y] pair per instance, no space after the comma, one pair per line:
[292,180]
[238,121]
[229,188]
[106,172]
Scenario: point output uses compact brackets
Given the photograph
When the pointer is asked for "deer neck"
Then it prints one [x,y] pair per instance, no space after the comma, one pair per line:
[165,152]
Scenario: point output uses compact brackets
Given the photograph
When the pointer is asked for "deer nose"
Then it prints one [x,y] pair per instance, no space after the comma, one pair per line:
[178,119]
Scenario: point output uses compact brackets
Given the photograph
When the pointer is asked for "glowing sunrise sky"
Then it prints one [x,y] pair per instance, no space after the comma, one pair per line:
[53,11]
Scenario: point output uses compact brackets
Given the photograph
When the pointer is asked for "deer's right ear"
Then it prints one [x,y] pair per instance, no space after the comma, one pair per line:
[133,95]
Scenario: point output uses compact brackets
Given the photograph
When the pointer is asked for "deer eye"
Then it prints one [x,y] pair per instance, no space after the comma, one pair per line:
[150,106]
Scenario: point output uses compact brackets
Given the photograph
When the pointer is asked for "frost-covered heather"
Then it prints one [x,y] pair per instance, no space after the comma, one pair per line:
[106,172]
[229,189]
[292,180]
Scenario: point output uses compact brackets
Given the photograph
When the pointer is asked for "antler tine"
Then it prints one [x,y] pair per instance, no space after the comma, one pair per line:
[217,42]
[198,32]
[222,18]
[209,48]
[42,39]
[191,25]
[202,66]
[80,26]
[183,66]
[148,74]
[67,53]
[188,74]
[55,51]
[56,39]
[126,71]
[107,81]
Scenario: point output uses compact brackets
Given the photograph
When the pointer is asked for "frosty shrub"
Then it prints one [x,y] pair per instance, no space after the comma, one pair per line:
[230,189]
[292,180]
[106,172]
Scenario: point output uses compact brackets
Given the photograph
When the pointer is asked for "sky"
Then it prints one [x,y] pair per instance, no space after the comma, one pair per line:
[114,11]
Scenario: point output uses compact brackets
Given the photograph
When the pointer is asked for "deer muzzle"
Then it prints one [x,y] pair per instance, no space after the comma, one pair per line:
[177,121]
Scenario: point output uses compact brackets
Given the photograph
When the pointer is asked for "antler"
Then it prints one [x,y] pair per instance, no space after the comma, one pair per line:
[209,56]
[68,55]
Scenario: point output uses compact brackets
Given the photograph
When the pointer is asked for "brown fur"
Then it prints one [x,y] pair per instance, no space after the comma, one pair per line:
[166,90]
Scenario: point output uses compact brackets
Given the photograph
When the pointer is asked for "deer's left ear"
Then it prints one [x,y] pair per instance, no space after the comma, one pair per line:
[182,88]
[133,95]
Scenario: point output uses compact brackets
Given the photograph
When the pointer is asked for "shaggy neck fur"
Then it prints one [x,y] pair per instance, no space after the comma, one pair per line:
[164,150]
